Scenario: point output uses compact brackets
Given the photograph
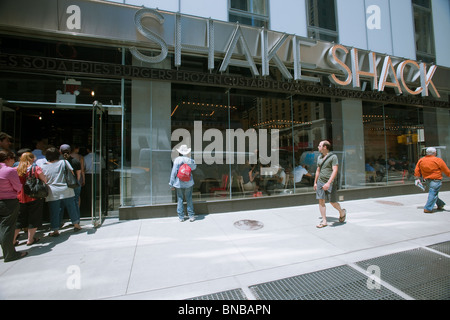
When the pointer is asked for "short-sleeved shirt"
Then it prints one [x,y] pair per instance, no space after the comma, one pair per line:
[76,165]
[299,172]
[9,182]
[55,174]
[326,169]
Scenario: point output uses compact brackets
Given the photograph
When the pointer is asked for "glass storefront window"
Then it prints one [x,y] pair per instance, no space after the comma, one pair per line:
[230,132]
[245,143]
[376,144]
[364,135]
[199,118]
[266,122]
[394,138]
[311,124]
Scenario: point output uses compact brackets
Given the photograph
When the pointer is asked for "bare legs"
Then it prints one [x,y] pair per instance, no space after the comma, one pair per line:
[31,233]
[323,212]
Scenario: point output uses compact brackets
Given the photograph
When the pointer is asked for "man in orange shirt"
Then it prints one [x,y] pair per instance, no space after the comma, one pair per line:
[430,168]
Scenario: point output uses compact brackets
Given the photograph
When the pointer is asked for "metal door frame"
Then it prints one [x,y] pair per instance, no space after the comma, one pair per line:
[95,107]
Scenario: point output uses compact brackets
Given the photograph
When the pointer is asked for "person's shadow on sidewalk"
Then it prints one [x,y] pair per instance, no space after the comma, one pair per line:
[335,222]
[47,243]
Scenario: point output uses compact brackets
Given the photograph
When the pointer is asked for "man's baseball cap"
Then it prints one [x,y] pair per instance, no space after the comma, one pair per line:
[64,148]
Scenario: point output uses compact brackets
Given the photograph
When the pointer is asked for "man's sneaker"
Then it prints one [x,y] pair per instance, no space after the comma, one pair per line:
[427,211]
[440,208]
[181,219]
[192,219]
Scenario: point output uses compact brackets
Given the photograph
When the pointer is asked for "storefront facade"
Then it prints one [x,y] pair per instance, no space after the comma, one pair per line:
[227,90]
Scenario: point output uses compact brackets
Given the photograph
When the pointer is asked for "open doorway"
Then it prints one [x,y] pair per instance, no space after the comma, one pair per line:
[31,122]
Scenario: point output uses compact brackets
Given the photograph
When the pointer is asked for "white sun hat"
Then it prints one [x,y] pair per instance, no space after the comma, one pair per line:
[184,150]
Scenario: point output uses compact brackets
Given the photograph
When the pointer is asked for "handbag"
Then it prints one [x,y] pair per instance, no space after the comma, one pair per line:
[35,187]
[71,179]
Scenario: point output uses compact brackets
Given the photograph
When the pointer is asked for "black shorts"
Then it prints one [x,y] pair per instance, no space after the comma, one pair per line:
[30,214]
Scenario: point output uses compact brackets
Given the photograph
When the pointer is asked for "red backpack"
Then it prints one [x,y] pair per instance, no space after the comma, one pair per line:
[184,172]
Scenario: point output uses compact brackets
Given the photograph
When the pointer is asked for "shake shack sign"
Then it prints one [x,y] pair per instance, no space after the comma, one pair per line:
[97,69]
[153,36]
[380,75]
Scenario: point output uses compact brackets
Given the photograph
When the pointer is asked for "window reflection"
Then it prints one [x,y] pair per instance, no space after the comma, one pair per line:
[268,164]
[424,34]
[322,23]
[394,137]
[249,12]
[203,114]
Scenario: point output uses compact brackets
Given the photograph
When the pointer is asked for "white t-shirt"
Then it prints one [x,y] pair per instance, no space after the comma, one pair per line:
[299,171]
[282,175]
[55,174]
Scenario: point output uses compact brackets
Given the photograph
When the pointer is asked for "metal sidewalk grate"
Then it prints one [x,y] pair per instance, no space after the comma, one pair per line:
[420,273]
[339,283]
[443,247]
[236,294]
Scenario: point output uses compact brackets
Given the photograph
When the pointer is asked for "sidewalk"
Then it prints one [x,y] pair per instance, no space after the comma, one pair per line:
[166,259]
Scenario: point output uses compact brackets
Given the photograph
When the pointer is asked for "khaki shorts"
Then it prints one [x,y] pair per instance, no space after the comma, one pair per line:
[330,194]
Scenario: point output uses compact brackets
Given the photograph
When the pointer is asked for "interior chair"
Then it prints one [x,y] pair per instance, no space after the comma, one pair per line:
[223,185]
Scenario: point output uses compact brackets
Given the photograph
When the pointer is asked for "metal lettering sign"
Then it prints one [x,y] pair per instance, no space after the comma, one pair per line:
[72,67]
[152,34]
[389,77]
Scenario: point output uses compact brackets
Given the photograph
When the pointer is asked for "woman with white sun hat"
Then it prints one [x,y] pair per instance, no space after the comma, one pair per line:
[182,181]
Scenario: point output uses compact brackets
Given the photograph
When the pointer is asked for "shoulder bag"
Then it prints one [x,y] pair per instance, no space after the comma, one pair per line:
[35,187]
[71,179]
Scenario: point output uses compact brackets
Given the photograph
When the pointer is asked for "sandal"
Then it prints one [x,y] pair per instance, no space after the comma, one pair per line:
[321,225]
[54,234]
[342,219]
[34,241]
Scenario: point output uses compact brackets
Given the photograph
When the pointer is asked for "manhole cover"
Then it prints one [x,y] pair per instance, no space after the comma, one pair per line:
[390,203]
[248,224]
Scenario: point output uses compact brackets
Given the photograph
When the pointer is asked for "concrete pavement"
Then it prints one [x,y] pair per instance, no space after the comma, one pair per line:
[164,259]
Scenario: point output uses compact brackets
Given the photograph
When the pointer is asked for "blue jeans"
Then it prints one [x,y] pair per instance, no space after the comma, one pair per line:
[190,205]
[57,211]
[76,199]
[434,186]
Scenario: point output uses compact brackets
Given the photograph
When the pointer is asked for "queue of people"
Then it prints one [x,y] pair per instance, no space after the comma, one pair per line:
[20,211]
